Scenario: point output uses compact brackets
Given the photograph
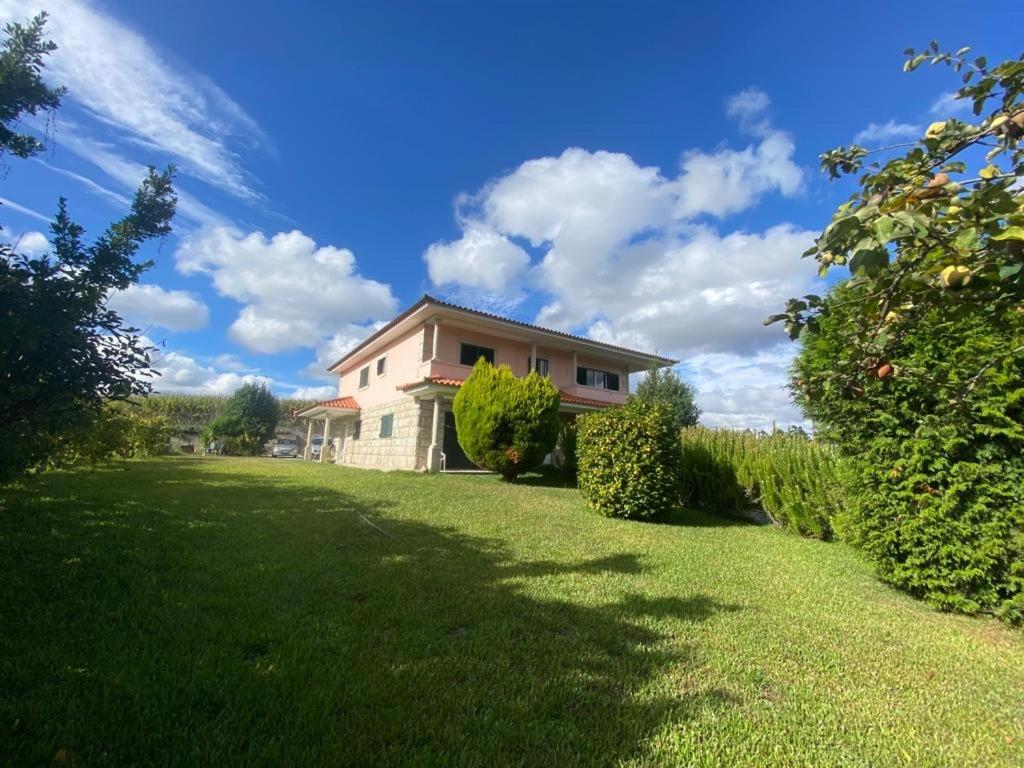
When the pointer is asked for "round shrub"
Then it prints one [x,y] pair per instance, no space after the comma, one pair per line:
[504,423]
[629,461]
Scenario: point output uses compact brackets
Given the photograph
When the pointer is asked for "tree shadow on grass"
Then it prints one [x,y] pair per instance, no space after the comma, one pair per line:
[197,618]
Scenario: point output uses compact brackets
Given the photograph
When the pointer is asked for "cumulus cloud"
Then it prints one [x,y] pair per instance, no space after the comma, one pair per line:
[481,258]
[31,243]
[628,255]
[184,374]
[745,391]
[124,83]
[148,304]
[890,131]
[295,293]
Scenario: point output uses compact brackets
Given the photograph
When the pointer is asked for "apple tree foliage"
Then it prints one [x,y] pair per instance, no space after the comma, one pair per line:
[913,366]
[940,226]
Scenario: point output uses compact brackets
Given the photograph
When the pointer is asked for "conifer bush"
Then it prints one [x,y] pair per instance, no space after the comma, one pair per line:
[789,477]
[629,461]
[504,423]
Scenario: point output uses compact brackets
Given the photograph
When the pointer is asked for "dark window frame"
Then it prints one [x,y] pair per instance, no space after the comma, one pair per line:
[364,377]
[536,366]
[487,353]
[357,428]
[599,380]
[382,365]
[389,420]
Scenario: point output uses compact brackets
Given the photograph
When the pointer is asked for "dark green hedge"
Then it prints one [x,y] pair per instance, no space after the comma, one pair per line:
[932,462]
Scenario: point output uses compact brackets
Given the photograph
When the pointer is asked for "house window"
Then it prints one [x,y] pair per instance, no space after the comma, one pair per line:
[382,365]
[387,422]
[357,427]
[364,377]
[470,353]
[542,366]
[590,377]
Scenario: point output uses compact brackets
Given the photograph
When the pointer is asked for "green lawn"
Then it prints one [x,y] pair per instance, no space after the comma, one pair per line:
[250,612]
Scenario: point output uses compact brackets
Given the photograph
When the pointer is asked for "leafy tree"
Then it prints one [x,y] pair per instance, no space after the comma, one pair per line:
[248,420]
[933,492]
[63,353]
[22,90]
[663,386]
[914,366]
[506,424]
[922,233]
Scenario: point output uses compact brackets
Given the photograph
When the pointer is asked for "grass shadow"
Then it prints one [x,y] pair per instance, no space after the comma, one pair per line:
[185,616]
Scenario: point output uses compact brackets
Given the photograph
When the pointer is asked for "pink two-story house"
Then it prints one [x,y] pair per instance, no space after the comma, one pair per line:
[394,403]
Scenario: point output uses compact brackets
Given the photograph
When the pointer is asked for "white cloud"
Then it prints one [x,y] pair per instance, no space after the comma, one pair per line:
[130,174]
[626,258]
[25,211]
[150,305]
[729,181]
[890,131]
[122,81]
[748,106]
[948,104]
[745,391]
[30,243]
[315,393]
[182,373]
[295,293]
[333,348]
[481,258]
[120,201]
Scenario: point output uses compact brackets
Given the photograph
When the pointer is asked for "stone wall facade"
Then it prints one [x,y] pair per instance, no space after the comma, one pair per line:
[407,446]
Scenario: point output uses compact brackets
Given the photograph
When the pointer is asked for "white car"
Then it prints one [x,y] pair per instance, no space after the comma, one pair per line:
[315,447]
[285,448]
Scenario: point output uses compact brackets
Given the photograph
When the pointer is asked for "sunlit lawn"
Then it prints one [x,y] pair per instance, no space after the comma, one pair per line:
[229,612]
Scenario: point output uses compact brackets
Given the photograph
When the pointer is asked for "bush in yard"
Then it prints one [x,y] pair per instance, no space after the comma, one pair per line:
[247,421]
[122,430]
[788,476]
[504,423]
[629,461]
[567,442]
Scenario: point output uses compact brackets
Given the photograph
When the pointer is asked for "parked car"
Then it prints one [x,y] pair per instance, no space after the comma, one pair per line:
[314,448]
[285,448]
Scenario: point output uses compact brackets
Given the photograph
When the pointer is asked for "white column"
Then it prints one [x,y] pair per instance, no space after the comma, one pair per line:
[308,453]
[325,446]
[533,357]
[434,452]
[437,335]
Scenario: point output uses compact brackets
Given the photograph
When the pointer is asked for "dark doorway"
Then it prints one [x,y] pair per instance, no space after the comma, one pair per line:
[454,457]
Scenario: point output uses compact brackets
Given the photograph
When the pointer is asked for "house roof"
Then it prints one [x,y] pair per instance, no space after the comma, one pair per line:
[337,403]
[444,381]
[428,300]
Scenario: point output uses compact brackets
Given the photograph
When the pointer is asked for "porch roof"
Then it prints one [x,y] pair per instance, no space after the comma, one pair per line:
[338,406]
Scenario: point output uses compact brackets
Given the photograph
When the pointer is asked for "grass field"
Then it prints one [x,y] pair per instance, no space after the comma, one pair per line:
[236,612]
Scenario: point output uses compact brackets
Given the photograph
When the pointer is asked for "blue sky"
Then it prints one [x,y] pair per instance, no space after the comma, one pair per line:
[644,173]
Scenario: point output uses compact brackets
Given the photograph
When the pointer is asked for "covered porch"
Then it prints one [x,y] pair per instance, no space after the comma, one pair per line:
[335,414]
